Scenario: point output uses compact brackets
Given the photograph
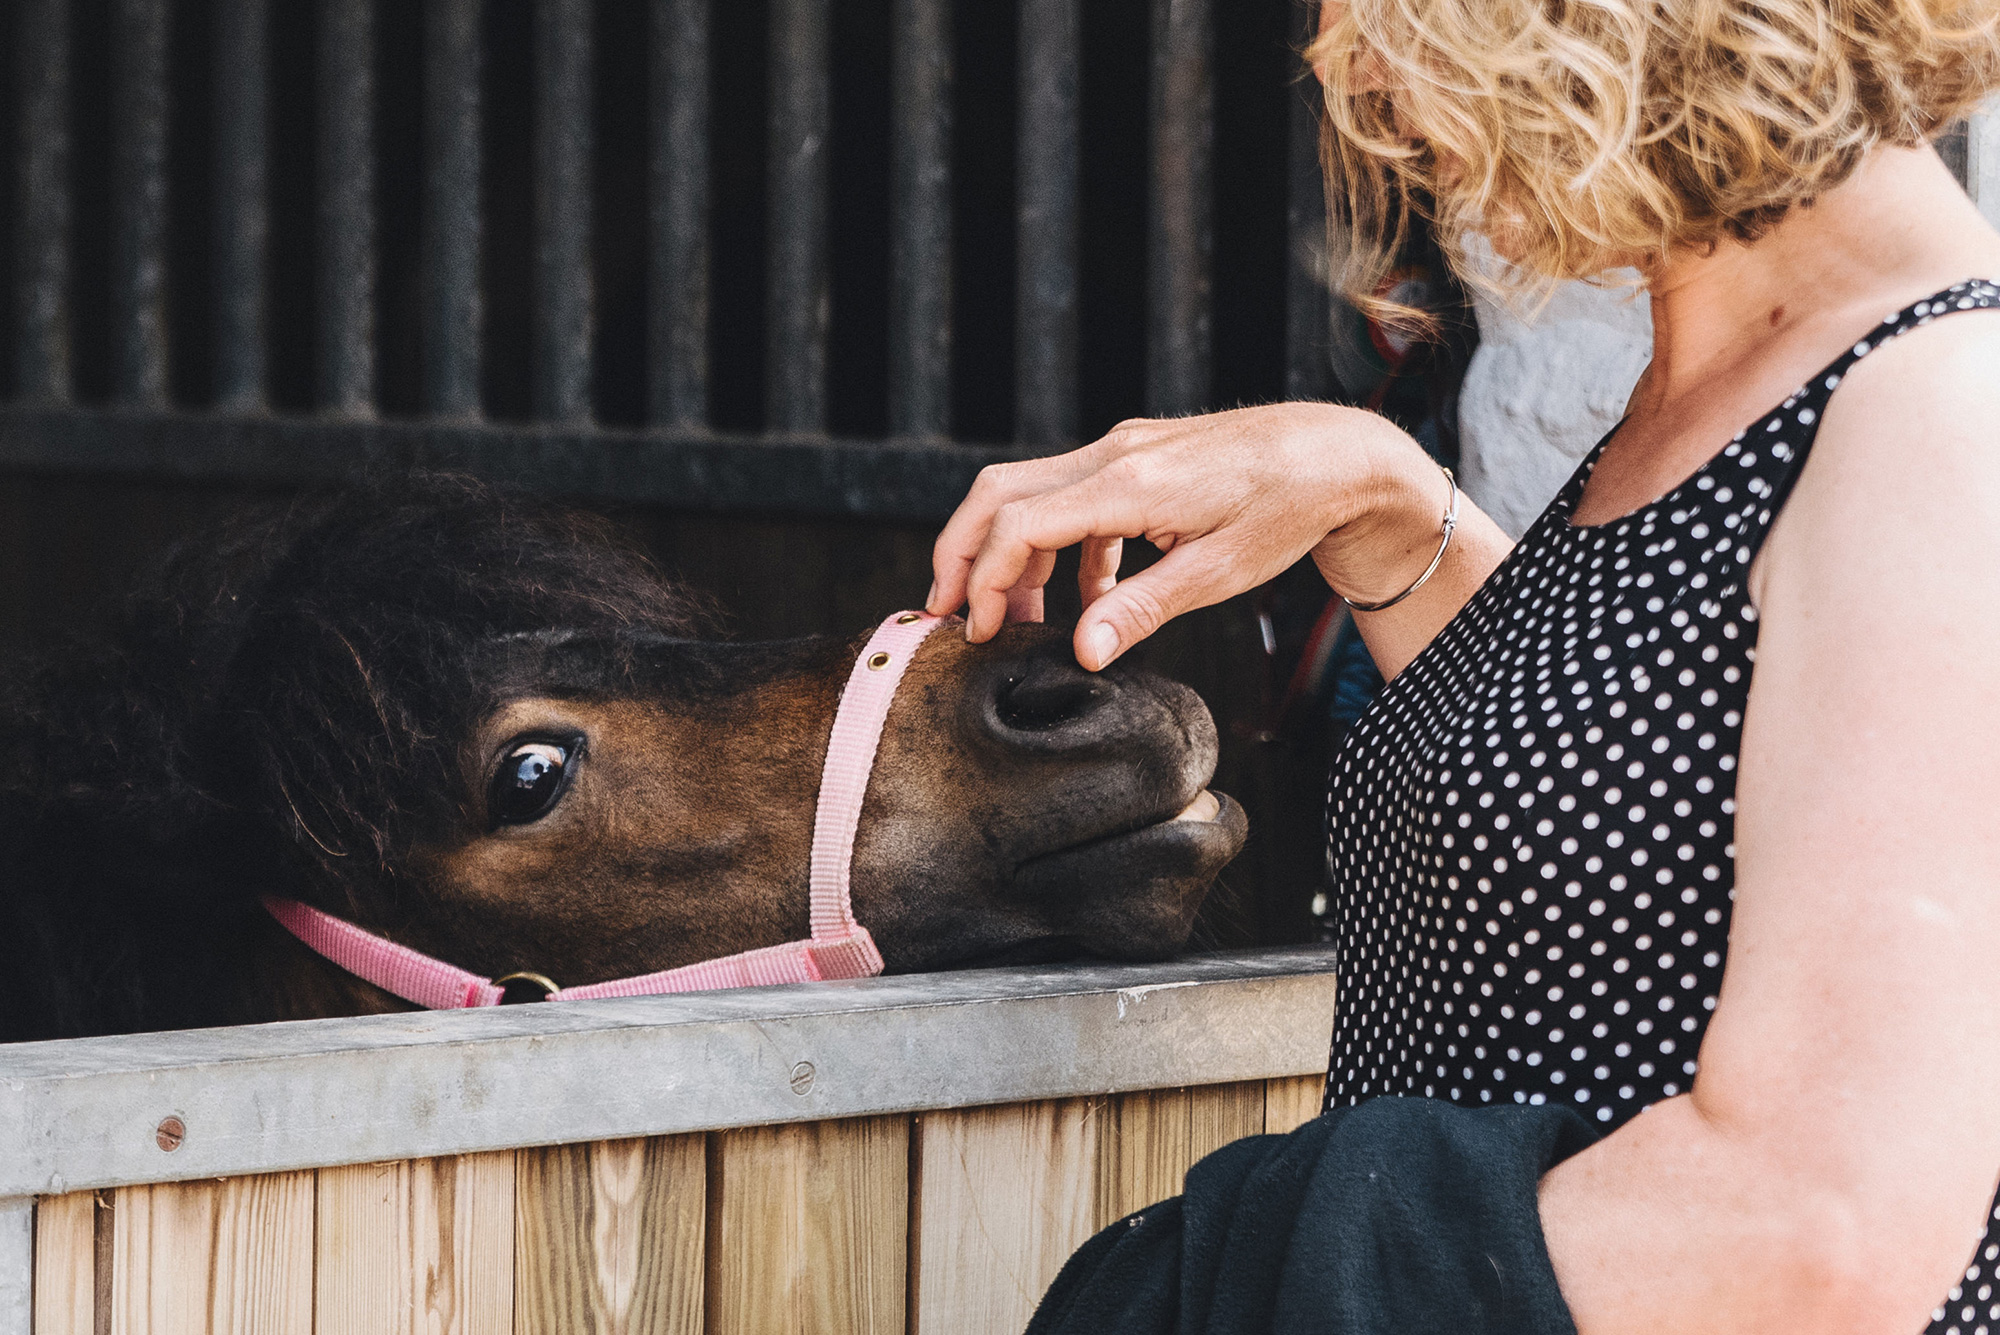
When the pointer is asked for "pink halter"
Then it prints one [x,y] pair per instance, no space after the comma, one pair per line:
[838,948]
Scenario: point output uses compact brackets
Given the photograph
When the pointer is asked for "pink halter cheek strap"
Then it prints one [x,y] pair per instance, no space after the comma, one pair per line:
[839,946]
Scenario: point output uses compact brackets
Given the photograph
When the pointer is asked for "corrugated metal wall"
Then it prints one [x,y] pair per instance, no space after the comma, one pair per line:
[465,230]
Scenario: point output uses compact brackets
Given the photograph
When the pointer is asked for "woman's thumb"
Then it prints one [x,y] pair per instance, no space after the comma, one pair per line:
[1134,608]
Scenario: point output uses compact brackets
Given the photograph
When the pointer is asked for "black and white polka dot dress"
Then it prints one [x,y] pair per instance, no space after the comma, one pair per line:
[1530,830]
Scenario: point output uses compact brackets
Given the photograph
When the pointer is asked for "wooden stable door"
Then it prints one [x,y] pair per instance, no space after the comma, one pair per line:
[946,1222]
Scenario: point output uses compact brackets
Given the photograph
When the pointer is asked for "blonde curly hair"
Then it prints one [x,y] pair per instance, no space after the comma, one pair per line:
[1589,134]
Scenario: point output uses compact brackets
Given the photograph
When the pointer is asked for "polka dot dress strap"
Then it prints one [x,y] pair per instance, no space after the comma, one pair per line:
[1794,424]
[1974,294]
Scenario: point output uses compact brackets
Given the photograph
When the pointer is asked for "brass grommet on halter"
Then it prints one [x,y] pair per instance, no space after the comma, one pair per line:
[543,981]
[909,618]
[878,661]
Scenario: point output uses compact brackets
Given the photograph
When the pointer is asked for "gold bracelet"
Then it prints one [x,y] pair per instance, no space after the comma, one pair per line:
[1450,525]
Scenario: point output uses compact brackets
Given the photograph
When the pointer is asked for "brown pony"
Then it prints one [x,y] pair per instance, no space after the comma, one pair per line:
[335,705]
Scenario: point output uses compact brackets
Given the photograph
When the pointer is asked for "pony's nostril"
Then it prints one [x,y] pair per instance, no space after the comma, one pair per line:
[1043,695]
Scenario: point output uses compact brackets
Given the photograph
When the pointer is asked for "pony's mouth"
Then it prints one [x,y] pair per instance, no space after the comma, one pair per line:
[1211,818]
[1133,894]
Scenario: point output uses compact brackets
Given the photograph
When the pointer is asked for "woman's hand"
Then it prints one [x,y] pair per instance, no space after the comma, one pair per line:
[1231,499]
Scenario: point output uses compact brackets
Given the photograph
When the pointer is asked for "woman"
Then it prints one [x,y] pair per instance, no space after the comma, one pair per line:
[1544,839]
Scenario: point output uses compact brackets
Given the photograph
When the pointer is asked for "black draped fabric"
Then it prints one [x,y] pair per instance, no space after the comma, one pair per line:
[1403,1215]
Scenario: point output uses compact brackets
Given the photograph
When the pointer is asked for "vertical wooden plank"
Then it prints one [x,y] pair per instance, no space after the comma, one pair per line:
[261,1258]
[1291,1102]
[104,1243]
[810,1228]
[422,1247]
[1219,1114]
[609,1238]
[232,1257]
[648,1230]
[66,1264]
[462,1212]
[160,1251]
[364,1252]
[1162,1132]
[1002,1197]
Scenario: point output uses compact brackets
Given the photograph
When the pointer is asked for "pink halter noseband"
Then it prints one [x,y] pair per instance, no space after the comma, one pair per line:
[839,946]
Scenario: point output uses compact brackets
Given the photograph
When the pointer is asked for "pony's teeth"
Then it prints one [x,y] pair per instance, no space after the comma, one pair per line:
[1205,807]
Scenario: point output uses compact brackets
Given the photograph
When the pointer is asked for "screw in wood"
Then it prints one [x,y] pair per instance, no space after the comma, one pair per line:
[169,1134]
[802,1079]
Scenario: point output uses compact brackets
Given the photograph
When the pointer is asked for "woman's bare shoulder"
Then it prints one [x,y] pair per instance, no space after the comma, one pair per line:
[1906,463]
[1919,413]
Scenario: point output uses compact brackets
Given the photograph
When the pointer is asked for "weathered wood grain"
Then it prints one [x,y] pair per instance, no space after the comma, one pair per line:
[1002,1196]
[263,1256]
[610,1238]
[809,1228]
[66,1264]
[1161,1133]
[233,1257]
[1291,1102]
[419,1247]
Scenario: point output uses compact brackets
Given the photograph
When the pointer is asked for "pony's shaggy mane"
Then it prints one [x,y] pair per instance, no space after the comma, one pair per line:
[282,703]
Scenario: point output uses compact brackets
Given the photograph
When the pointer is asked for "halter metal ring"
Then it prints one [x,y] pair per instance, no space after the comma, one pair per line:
[543,981]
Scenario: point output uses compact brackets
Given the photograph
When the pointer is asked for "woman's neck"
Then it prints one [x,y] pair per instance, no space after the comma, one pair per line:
[1895,231]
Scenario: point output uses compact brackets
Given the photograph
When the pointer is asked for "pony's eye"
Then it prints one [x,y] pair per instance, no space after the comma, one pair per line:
[529,781]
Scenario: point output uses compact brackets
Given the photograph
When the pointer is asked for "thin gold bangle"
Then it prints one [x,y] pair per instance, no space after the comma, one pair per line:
[1450,525]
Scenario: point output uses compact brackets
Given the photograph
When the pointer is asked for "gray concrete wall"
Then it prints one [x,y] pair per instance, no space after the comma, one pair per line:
[1982,162]
[1539,394]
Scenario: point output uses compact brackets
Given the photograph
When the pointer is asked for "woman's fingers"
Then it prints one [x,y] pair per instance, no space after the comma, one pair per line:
[1023,532]
[965,534]
[1097,567]
[1182,580]
[1024,600]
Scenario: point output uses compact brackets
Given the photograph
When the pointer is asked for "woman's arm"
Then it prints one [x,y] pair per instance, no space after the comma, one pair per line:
[1232,499]
[1837,1155]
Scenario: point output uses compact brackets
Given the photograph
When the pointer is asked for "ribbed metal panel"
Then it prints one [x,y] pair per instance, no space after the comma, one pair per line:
[346,240]
[242,208]
[1179,230]
[677,210]
[42,148]
[139,202]
[326,244]
[1045,312]
[451,212]
[920,198]
[561,335]
[796,311]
